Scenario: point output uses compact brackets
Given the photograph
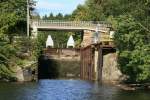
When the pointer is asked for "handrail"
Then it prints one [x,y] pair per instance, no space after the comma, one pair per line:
[61,23]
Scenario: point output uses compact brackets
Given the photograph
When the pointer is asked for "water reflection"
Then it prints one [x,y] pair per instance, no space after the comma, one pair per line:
[66,90]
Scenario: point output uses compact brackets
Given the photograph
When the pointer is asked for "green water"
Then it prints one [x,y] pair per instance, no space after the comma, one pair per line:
[67,90]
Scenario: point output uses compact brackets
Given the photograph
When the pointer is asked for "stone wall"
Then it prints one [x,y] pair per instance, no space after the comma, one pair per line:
[110,72]
[25,74]
[87,38]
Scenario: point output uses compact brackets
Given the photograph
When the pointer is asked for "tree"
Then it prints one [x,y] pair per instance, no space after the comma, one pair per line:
[95,10]
[59,16]
[13,23]
[45,17]
[67,17]
[13,12]
[134,49]
[51,17]
[81,13]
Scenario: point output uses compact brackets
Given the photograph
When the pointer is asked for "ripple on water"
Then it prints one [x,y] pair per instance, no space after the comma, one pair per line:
[66,90]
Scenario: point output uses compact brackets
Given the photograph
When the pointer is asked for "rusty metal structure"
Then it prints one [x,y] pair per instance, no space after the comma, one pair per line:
[87,63]
[92,64]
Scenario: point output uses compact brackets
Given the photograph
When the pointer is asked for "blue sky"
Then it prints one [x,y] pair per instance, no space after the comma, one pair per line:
[55,6]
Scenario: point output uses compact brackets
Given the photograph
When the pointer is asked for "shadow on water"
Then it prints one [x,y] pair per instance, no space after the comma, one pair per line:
[47,68]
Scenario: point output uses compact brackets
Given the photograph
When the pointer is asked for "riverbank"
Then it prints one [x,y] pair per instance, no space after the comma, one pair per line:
[127,86]
[133,87]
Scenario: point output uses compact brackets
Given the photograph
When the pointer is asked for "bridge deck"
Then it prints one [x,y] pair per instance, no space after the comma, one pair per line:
[74,25]
[101,26]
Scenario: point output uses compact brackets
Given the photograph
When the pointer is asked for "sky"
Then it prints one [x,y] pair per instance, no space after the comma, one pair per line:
[57,6]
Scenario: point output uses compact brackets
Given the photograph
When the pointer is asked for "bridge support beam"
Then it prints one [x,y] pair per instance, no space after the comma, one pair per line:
[100,63]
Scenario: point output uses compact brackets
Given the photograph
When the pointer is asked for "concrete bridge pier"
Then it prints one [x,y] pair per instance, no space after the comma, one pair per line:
[34,31]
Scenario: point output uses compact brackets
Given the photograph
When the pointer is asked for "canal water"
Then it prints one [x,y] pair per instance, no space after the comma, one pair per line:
[67,90]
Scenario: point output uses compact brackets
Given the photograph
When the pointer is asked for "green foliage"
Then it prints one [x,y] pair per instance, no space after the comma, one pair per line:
[12,23]
[39,44]
[6,73]
[133,44]
[13,13]
[14,55]
[7,52]
[81,13]
[59,16]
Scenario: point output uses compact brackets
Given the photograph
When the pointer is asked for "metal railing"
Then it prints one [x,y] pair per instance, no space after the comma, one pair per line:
[69,24]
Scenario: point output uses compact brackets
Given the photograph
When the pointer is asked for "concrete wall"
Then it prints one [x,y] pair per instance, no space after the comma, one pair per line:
[62,53]
[52,68]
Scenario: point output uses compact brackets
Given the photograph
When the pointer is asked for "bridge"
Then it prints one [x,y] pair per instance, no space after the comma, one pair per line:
[69,25]
[88,27]
[91,52]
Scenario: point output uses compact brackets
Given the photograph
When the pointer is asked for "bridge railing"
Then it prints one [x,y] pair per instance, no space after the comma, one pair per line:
[60,23]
